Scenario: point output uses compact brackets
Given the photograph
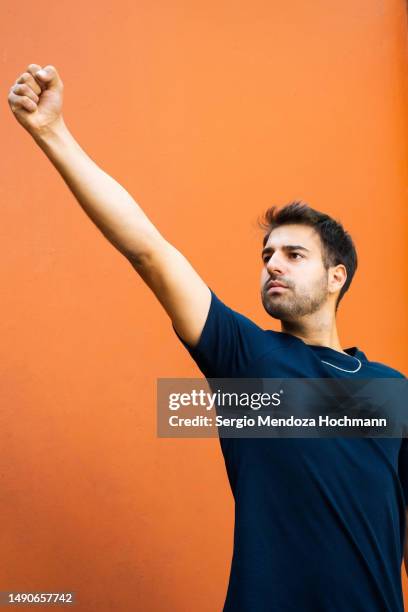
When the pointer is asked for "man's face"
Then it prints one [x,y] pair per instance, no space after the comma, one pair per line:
[300,269]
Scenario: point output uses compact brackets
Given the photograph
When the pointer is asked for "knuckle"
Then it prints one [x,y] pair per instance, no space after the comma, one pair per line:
[25,91]
[26,101]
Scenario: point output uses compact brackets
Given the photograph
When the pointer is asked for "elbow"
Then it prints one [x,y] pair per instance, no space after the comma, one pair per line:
[149,254]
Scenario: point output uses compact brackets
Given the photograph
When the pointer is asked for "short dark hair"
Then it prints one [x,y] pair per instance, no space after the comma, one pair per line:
[337,245]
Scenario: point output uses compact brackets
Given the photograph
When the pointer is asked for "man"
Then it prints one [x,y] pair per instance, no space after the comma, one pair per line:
[319,523]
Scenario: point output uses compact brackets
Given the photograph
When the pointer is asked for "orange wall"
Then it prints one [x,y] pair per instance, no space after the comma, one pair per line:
[207,112]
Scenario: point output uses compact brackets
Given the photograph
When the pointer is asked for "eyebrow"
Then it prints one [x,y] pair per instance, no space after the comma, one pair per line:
[286,247]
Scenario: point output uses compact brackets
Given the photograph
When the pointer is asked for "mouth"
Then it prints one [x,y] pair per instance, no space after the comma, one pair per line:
[274,287]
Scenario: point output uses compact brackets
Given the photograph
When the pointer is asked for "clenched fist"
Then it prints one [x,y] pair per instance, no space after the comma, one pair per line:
[36,98]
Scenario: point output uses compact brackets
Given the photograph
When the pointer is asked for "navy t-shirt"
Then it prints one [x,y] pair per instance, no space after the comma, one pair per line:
[319,522]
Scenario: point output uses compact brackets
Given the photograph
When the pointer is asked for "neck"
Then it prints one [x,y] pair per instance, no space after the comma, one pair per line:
[317,329]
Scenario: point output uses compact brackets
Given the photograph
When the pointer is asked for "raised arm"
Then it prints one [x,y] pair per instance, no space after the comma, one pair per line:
[36,101]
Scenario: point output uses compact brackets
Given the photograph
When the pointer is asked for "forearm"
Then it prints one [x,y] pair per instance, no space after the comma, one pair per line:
[104,200]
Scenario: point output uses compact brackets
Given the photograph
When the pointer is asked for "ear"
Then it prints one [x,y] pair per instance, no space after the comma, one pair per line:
[337,276]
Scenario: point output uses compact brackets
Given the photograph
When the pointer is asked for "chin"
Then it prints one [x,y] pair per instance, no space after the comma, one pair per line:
[276,311]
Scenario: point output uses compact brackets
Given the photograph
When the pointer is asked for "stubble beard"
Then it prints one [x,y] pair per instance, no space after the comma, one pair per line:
[291,305]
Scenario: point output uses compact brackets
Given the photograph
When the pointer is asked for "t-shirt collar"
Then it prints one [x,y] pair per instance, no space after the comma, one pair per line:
[353,351]
[328,352]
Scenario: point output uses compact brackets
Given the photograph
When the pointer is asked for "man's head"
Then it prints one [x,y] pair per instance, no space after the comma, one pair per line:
[311,255]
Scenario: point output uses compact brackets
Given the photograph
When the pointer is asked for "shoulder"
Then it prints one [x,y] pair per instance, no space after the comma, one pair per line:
[231,342]
[244,327]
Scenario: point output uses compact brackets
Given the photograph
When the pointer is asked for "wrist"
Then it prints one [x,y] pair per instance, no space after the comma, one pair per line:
[50,134]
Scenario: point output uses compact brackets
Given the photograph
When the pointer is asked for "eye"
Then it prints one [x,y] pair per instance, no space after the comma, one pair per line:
[265,258]
[299,255]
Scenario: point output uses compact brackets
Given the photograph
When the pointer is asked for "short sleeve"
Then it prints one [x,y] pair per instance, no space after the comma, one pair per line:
[403,468]
[229,342]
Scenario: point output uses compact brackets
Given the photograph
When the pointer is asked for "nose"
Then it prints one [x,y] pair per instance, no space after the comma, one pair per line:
[275,264]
